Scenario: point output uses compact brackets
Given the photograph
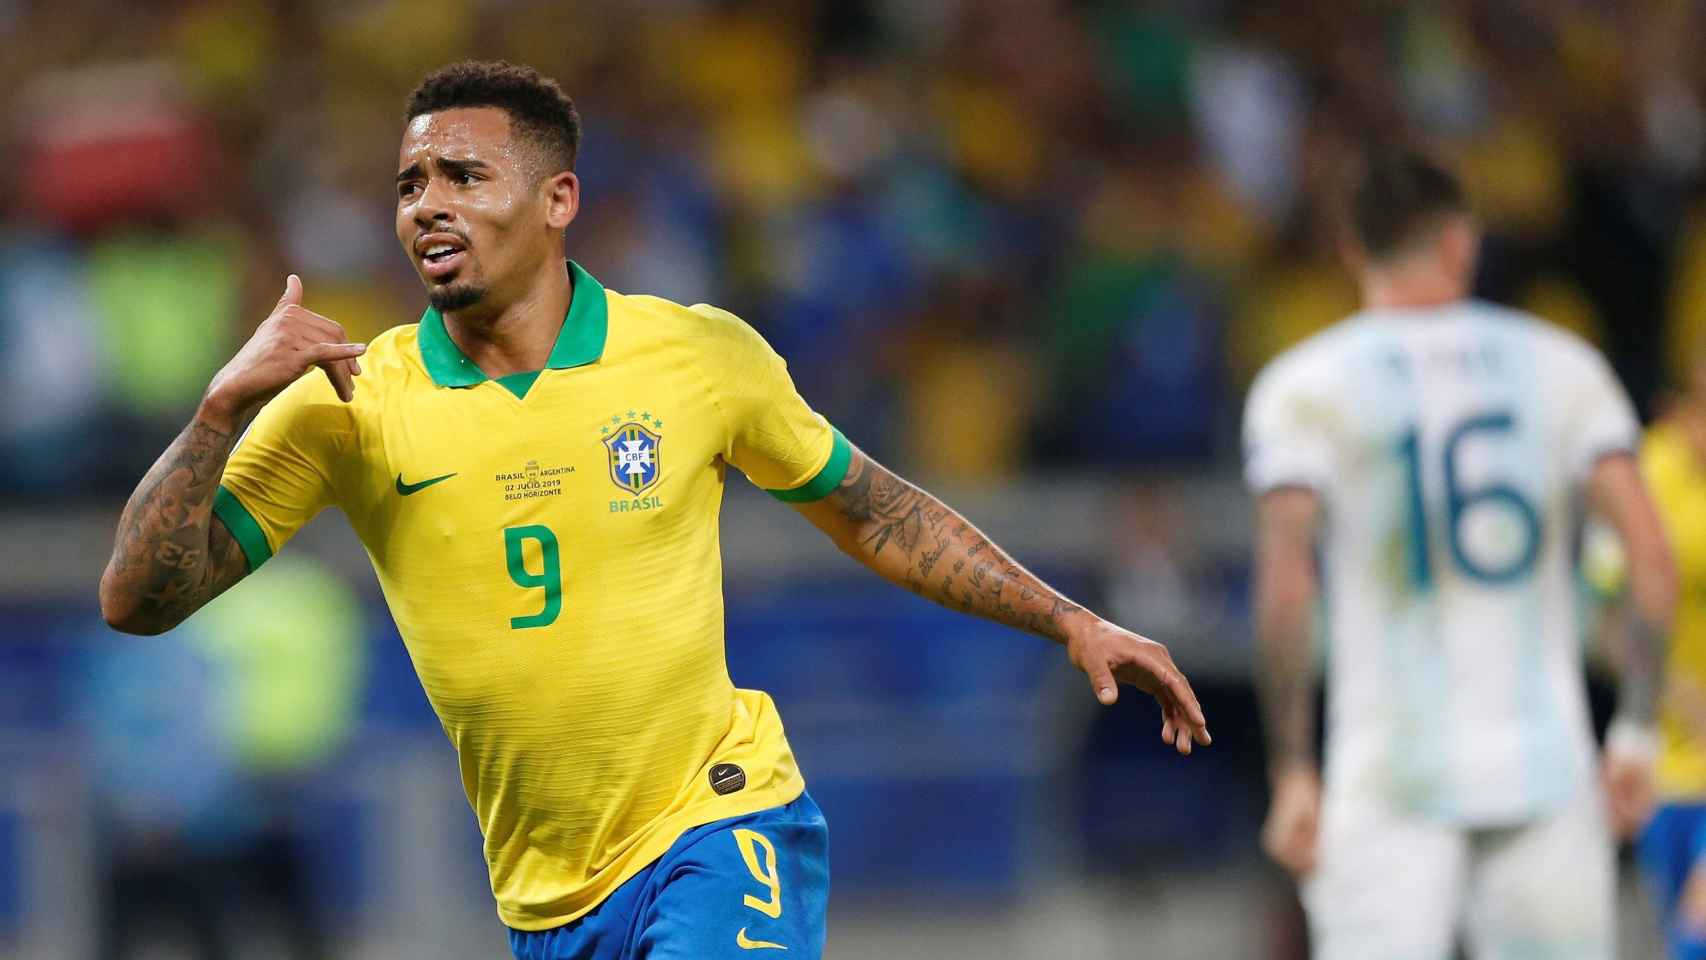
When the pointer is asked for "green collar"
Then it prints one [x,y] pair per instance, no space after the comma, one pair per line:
[580,342]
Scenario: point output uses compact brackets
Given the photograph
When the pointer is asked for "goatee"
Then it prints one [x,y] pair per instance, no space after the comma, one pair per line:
[455,296]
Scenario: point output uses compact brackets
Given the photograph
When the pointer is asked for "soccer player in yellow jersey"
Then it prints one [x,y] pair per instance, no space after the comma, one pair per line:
[1673,846]
[535,469]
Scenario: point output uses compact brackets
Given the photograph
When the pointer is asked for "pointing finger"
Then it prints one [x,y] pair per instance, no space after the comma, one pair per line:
[335,364]
[338,373]
[322,352]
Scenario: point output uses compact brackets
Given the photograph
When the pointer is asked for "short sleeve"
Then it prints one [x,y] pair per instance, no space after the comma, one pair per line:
[281,473]
[1601,420]
[1285,441]
[774,436]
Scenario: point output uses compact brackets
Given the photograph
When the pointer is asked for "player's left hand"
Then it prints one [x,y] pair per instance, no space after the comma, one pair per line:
[1628,779]
[1108,654]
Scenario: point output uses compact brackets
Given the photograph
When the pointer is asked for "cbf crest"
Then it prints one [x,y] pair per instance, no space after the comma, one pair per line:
[633,445]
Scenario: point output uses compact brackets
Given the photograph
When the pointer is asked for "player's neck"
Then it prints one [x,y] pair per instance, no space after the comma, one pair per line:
[517,336]
[1410,289]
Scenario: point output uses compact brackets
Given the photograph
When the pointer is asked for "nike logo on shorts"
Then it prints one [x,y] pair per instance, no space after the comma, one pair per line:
[742,942]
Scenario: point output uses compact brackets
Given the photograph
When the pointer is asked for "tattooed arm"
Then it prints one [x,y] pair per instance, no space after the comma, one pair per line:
[170,556]
[912,539]
[1286,592]
[1620,496]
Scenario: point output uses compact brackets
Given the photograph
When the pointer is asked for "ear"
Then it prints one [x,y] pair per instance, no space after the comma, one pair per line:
[562,199]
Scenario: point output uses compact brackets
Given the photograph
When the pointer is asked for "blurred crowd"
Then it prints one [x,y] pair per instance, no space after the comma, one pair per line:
[991,237]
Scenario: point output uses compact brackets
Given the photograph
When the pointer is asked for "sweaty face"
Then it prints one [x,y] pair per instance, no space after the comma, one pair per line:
[469,215]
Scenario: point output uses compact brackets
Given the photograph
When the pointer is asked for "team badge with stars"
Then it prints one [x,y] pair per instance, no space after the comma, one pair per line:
[633,443]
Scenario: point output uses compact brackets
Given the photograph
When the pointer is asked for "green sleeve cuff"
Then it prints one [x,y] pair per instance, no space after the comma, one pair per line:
[827,479]
[243,527]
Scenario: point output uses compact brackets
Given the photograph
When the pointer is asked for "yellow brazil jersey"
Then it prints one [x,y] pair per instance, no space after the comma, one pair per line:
[548,546]
[1677,478]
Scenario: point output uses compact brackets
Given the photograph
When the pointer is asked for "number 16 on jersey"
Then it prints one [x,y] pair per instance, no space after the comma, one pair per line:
[1462,499]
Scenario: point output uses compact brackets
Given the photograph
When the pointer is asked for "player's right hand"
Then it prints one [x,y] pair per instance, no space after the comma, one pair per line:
[1631,751]
[1293,826]
[290,340]
[1628,793]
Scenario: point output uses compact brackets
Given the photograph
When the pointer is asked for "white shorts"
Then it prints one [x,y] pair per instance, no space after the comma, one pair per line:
[1391,885]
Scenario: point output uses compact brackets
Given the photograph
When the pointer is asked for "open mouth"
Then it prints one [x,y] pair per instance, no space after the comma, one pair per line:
[440,254]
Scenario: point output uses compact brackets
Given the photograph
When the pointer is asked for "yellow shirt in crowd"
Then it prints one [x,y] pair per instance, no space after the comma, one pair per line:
[1677,479]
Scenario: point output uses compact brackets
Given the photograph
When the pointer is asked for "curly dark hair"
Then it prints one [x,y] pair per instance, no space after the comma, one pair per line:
[1398,191]
[538,108]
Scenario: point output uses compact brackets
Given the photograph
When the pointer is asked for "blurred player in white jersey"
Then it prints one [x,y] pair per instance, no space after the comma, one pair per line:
[1419,469]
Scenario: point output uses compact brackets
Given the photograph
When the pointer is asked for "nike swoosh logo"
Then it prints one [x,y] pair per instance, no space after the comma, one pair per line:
[742,942]
[404,489]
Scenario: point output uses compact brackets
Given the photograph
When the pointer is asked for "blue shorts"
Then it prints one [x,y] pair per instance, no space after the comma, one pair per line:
[1670,846]
[1673,841]
[746,886]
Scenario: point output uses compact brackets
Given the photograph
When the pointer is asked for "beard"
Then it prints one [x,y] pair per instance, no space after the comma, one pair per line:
[455,296]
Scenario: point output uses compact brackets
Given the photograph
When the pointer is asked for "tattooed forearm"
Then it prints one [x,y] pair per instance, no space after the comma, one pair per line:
[169,557]
[913,539]
[1286,687]
[1642,670]
[1287,589]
